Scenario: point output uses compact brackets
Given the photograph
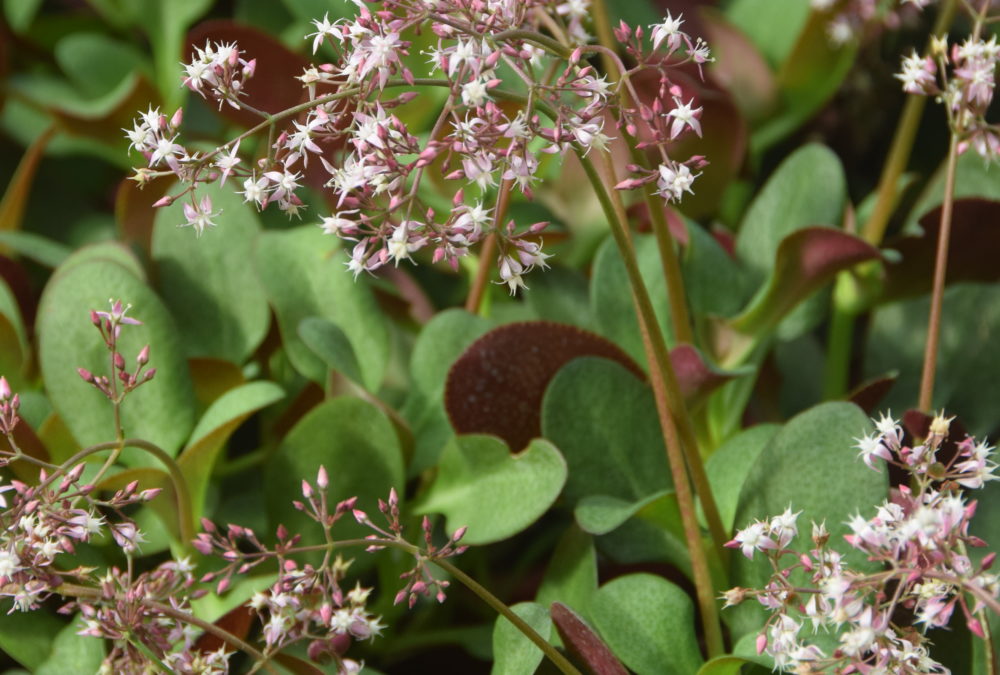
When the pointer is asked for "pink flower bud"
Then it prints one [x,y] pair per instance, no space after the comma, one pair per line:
[306,489]
[86,375]
[143,357]
[399,597]
[178,117]
[166,200]
[222,586]
[761,643]
[322,480]
[459,533]
[149,375]
[4,389]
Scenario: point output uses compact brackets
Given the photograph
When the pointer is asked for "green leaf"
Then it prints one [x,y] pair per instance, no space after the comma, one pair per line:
[809,466]
[95,63]
[965,383]
[166,23]
[513,652]
[611,295]
[72,653]
[160,411]
[723,665]
[206,281]
[107,251]
[482,486]
[715,283]
[561,295]
[441,341]
[604,422]
[974,177]
[28,637]
[571,577]
[356,443]
[730,464]
[213,430]
[42,250]
[600,514]
[20,13]
[302,273]
[808,188]
[331,344]
[633,614]
[772,26]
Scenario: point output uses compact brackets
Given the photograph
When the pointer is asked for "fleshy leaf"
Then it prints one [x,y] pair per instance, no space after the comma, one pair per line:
[213,430]
[730,464]
[330,343]
[15,196]
[696,378]
[804,262]
[302,272]
[160,411]
[513,652]
[496,494]
[809,466]
[42,250]
[600,514]
[72,653]
[496,386]
[634,612]
[206,281]
[356,443]
[28,637]
[604,422]
[584,643]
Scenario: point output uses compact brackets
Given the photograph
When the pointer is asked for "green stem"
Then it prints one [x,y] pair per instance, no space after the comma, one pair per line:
[940,271]
[660,370]
[560,661]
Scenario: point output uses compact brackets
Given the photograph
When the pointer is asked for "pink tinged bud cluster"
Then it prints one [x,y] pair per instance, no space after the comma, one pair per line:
[963,77]
[122,381]
[921,537]
[9,404]
[847,19]
[219,72]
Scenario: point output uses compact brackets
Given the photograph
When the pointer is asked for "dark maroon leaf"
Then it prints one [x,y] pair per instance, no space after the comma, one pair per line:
[496,386]
[584,644]
[805,261]
[974,241]
[696,379]
[868,395]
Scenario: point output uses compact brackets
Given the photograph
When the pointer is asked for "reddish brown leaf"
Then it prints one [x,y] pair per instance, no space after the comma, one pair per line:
[496,386]
[134,212]
[869,394]
[584,644]
[696,379]
[31,445]
[236,622]
[15,197]
[975,239]
[805,261]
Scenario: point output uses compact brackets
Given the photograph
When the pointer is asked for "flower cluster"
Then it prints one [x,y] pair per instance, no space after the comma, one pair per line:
[52,518]
[848,18]
[921,538]
[490,134]
[963,77]
[308,603]
[109,324]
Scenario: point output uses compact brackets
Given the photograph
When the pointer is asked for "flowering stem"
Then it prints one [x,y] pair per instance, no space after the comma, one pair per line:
[475,298]
[147,652]
[659,358]
[484,594]
[185,517]
[940,270]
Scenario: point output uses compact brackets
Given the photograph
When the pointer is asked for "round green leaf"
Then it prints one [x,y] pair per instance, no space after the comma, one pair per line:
[482,486]
[604,422]
[811,466]
[206,281]
[600,514]
[513,652]
[302,273]
[160,411]
[72,653]
[356,443]
[27,637]
[729,465]
[636,614]
[571,577]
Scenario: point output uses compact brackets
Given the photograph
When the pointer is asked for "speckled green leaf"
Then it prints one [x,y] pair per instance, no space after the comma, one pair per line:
[160,411]
[729,465]
[513,653]
[206,281]
[604,422]
[633,614]
[571,576]
[495,494]
[302,272]
[72,653]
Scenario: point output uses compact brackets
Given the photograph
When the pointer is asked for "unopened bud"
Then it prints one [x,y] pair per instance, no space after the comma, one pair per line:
[322,480]
[178,117]
[165,200]
[143,357]
[4,389]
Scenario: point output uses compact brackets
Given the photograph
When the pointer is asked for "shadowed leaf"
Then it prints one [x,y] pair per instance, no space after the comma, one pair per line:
[584,644]
[236,622]
[15,197]
[696,378]
[496,386]
[513,652]
[975,239]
